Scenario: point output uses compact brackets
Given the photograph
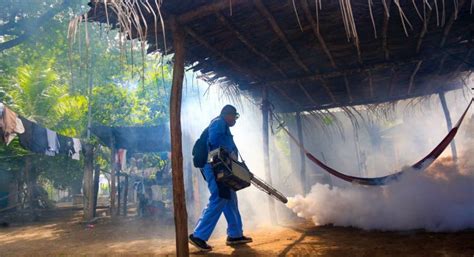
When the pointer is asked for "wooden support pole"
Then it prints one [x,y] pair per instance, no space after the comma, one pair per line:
[179,201]
[96,188]
[113,189]
[442,99]
[88,183]
[266,152]
[299,128]
[119,193]
[412,77]
[125,196]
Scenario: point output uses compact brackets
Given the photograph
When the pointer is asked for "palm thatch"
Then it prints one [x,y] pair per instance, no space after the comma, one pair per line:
[311,55]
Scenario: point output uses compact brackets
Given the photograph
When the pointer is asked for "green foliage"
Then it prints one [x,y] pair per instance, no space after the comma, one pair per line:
[47,79]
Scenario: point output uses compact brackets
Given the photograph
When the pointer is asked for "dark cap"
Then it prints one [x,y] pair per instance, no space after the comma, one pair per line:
[229,109]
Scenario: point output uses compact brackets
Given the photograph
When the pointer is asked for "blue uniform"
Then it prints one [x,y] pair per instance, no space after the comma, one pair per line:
[219,136]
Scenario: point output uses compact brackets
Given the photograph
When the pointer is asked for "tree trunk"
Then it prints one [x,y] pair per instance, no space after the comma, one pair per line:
[179,201]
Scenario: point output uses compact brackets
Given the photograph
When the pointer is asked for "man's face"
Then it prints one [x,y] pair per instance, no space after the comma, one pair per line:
[231,119]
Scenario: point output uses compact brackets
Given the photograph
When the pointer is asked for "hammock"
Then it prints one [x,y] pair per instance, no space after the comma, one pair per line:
[379,181]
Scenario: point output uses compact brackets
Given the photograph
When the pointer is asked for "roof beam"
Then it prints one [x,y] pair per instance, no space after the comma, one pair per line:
[316,32]
[203,42]
[386,19]
[449,25]
[412,77]
[371,86]
[231,27]
[209,9]
[423,30]
[340,73]
[279,32]
[393,76]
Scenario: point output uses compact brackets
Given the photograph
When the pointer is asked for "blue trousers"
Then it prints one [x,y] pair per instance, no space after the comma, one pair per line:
[211,214]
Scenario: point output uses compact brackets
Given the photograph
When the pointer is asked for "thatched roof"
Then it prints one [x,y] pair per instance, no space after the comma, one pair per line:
[310,57]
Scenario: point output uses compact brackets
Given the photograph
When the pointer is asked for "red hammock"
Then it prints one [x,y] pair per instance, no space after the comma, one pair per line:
[378,181]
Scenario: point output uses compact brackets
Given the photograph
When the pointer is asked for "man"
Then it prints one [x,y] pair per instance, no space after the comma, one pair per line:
[222,199]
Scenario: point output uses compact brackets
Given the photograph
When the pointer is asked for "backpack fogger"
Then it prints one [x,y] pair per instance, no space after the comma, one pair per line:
[236,174]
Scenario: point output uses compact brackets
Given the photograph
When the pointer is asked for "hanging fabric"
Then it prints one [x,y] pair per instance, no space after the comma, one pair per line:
[34,138]
[77,149]
[10,125]
[379,181]
[53,143]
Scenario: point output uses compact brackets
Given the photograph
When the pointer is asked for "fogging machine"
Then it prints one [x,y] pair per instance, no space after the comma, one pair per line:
[237,175]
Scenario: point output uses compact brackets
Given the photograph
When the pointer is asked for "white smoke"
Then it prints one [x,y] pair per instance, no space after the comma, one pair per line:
[438,199]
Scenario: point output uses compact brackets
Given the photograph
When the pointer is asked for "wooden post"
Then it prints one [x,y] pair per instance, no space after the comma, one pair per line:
[299,128]
[112,176]
[96,187]
[442,98]
[125,196]
[119,193]
[179,201]
[266,152]
[88,182]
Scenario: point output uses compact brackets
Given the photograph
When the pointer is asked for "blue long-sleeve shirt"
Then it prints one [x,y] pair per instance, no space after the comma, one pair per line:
[220,136]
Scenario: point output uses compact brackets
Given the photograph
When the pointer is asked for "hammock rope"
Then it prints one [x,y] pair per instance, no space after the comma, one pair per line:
[380,181]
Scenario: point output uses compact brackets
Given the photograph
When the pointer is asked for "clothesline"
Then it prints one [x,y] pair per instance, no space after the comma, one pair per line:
[34,137]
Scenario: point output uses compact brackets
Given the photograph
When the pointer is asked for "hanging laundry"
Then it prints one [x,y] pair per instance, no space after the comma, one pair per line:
[121,159]
[66,145]
[77,148]
[53,143]
[8,124]
[34,138]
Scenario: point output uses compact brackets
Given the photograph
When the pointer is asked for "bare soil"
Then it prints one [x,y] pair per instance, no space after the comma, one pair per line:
[141,237]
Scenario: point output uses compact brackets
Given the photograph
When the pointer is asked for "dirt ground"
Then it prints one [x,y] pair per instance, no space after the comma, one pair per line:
[139,237]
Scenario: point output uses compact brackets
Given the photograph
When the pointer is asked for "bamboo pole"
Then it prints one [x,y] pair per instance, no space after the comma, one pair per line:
[112,176]
[88,182]
[442,99]
[179,201]
[266,152]
[299,128]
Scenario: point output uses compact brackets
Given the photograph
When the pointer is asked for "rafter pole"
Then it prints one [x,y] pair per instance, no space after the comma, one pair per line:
[228,60]
[279,32]
[209,9]
[316,32]
[371,86]
[340,73]
[348,89]
[424,30]
[231,27]
[412,77]
[449,25]
[386,19]
[391,84]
